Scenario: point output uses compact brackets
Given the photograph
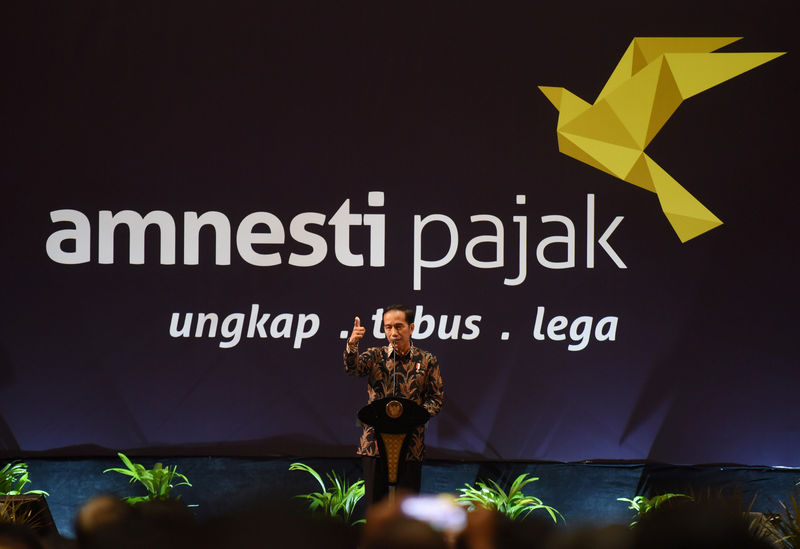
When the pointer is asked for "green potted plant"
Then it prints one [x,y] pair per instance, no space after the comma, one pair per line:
[158,481]
[338,501]
[514,504]
[14,477]
[642,505]
[20,506]
[785,522]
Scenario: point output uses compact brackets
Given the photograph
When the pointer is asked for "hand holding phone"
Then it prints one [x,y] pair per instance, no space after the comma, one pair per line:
[440,511]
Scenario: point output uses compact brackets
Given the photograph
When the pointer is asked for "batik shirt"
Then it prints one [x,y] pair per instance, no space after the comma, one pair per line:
[414,376]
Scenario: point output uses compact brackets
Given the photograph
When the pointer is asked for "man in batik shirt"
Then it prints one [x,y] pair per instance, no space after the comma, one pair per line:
[398,369]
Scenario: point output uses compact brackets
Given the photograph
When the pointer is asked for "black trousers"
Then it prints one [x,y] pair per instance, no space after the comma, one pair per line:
[409,478]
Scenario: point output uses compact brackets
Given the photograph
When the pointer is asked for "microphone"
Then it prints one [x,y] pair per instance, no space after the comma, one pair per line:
[396,357]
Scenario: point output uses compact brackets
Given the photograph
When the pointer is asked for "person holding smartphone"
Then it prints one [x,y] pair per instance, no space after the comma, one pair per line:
[397,369]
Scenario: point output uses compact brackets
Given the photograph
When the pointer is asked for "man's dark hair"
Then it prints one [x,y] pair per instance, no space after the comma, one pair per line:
[405,310]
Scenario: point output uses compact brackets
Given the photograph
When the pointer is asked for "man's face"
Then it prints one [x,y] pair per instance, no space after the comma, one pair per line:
[397,330]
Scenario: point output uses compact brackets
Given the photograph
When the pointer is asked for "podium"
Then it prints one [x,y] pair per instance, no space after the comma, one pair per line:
[394,419]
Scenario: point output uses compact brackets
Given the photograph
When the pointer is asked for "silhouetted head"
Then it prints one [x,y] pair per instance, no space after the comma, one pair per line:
[16,536]
[101,511]
[692,525]
[405,533]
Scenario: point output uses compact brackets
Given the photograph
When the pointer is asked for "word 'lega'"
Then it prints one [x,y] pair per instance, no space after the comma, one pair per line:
[580,329]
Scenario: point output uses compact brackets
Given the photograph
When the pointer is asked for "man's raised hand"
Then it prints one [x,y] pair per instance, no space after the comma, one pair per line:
[357,334]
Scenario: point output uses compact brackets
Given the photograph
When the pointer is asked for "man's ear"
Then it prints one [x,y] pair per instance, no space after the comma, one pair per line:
[411,327]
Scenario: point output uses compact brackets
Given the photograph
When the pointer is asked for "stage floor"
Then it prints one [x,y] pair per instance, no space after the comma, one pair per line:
[583,492]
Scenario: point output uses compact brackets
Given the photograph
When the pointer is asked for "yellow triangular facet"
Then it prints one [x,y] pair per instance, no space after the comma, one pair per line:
[568,147]
[640,174]
[688,227]
[667,100]
[632,102]
[553,94]
[696,72]
[615,159]
[600,122]
[572,107]
[640,60]
[621,73]
[653,47]
[685,213]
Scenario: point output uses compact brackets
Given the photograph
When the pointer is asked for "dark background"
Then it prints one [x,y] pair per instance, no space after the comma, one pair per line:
[237,108]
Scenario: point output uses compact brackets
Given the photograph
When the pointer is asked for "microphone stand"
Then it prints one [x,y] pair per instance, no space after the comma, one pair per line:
[393,487]
[394,368]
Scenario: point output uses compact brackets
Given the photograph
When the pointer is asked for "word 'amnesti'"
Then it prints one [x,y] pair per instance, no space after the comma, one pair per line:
[259,236]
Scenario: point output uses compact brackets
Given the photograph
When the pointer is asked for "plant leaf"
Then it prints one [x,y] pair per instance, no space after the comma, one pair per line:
[308,469]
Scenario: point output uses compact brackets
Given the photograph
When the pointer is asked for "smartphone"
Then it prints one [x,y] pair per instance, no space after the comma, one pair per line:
[440,511]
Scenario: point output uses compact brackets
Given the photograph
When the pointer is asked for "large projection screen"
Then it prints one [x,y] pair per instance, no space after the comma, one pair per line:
[198,200]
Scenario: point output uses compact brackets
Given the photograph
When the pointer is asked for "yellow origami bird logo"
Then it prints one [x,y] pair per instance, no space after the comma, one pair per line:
[654,76]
